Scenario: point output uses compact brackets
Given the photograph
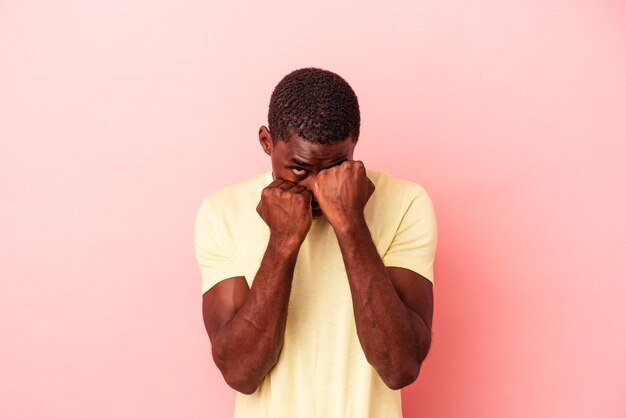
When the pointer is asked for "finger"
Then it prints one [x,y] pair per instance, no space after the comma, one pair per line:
[308,195]
[297,188]
[275,183]
[371,185]
[286,185]
[359,166]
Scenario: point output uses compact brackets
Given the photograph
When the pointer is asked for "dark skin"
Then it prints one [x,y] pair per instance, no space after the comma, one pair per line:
[393,306]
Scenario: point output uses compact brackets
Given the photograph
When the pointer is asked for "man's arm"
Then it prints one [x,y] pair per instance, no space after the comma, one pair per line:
[247,325]
[392,306]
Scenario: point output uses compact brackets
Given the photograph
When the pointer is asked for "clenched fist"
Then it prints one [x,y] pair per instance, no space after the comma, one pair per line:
[286,209]
[342,192]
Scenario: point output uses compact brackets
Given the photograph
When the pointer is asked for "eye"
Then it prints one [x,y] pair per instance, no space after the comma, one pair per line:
[300,172]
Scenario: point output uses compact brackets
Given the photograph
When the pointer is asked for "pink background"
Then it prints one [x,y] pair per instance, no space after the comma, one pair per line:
[117,117]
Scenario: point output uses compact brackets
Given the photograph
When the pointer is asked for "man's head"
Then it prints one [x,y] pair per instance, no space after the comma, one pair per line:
[316,105]
[314,124]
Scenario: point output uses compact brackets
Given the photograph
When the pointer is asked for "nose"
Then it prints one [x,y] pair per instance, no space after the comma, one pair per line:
[309,183]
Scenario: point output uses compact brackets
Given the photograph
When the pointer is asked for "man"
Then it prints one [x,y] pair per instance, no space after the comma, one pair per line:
[317,275]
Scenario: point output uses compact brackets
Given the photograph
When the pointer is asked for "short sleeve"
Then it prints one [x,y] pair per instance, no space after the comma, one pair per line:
[415,241]
[214,262]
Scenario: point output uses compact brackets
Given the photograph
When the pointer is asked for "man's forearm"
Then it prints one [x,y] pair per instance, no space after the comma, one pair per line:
[248,346]
[395,339]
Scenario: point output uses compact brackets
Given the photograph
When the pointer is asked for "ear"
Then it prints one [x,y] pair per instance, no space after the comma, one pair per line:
[265,139]
[351,146]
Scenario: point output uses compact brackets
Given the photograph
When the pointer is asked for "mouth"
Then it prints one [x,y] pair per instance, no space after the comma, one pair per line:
[315,208]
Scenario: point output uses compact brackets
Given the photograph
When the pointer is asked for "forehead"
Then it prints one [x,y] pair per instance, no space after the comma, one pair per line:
[305,151]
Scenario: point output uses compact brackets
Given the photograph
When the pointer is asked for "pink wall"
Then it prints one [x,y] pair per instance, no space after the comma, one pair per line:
[117,117]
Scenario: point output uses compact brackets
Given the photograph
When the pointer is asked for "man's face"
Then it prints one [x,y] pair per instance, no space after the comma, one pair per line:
[299,161]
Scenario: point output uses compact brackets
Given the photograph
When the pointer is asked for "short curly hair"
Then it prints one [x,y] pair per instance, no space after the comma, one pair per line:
[317,105]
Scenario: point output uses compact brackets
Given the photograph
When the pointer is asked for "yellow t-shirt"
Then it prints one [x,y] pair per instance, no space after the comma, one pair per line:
[321,370]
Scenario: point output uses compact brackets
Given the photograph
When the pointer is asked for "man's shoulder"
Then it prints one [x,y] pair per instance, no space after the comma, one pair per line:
[239,192]
[235,203]
[390,187]
[393,197]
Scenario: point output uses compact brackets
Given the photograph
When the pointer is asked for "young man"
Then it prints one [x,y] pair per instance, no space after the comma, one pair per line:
[317,275]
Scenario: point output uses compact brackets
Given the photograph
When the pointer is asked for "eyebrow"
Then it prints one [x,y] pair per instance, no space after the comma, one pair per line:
[335,162]
[301,163]
[339,160]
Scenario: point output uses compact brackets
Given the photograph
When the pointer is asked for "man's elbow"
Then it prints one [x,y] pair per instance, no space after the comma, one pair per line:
[404,370]
[243,375]
[399,379]
[241,383]
[239,377]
